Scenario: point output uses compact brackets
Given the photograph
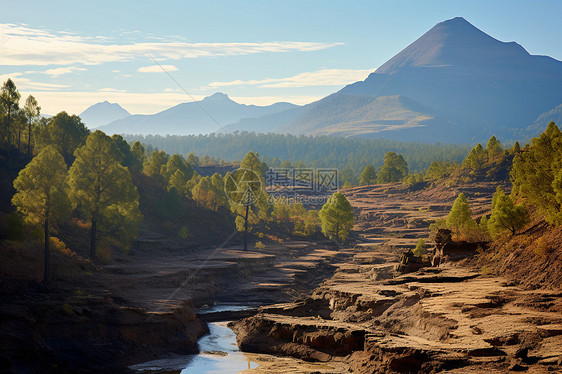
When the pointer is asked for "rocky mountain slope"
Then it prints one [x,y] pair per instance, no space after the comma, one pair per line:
[453,84]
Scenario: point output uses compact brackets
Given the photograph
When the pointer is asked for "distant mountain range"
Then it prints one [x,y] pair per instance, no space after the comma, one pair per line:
[453,84]
[202,117]
[103,113]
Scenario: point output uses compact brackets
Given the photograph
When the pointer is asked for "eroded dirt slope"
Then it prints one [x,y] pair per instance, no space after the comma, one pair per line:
[449,319]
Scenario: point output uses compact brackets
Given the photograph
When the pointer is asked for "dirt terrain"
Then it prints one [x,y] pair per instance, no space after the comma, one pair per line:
[448,319]
[343,308]
[144,305]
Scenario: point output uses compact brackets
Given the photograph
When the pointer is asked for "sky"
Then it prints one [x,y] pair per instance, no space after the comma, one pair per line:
[151,55]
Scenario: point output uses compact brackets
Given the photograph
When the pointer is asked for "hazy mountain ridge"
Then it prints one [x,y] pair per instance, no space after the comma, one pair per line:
[455,84]
[203,117]
[103,113]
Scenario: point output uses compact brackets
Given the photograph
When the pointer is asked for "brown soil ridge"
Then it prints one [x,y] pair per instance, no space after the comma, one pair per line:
[452,319]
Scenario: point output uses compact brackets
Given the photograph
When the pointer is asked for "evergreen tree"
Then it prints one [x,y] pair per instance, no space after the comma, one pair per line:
[336,217]
[245,189]
[156,163]
[217,184]
[138,151]
[476,158]
[178,183]
[41,194]
[494,147]
[460,219]
[506,216]
[393,169]
[193,160]
[369,176]
[534,174]
[32,112]
[435,171]
[127,157]
[9,103]
[483,224]
[103,190]
[516,148]
[202,193]
[66,133]
[176,162]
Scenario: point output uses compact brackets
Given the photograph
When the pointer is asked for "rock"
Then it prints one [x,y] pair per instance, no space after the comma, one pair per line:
[486,352]
[517,367]
[407,364]
[522,353]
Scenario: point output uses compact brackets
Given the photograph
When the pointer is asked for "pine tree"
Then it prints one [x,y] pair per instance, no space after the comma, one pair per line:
[32,112]
[193,160]
[336,217]
[535,172]
[66,133]
[201,191]
[476,158]
[369,176]
[176,162]
[103,191]
[394,168]
[41,193]
[516,148]
[435,171]
[506,216]
[156,164]
[494,147]
[138,151]
[178,183]
[460,219]
[9,103]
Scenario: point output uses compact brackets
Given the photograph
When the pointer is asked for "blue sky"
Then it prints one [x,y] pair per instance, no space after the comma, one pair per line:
[72,54]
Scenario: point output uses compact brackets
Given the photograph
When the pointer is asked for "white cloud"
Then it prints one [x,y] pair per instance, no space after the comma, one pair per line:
[109,89]
[27,84]
[60,71]
[324,77]
[157,69]
[22,45]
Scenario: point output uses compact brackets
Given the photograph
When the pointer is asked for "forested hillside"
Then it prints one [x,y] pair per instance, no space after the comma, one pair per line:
[349,156]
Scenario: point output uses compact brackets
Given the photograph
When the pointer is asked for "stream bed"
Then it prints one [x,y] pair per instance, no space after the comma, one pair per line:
[219,352]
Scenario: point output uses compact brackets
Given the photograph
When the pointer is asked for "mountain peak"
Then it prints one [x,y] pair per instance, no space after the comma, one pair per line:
[218,96]
[454,42]
[102,113]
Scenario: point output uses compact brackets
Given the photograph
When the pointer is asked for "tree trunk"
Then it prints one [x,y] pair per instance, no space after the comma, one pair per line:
[246,228]
[46,275]
[93,239]
[29,140]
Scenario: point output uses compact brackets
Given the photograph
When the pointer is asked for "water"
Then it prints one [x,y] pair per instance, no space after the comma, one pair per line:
[212,360]
[219,354]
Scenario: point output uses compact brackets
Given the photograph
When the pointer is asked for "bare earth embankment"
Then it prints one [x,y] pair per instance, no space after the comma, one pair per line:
[450,319]
[144,305]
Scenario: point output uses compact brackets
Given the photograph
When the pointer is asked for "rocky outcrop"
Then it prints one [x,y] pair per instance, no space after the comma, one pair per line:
[88,333]
[309,339]
[428,321]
